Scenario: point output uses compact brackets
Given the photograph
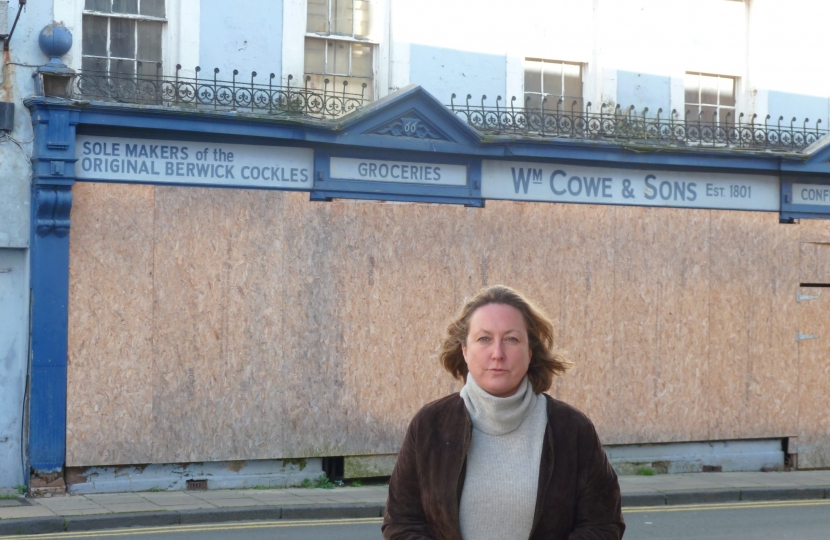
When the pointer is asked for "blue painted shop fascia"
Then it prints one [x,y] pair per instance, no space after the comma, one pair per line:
[790,211]
[447,131]
[326,188]
[816,159]
[369,133]
[813,169]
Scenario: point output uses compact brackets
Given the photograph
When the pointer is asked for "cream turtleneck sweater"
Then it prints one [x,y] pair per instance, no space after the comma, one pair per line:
[499,495]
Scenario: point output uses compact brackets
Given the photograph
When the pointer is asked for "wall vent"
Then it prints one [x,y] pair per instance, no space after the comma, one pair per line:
[196,485]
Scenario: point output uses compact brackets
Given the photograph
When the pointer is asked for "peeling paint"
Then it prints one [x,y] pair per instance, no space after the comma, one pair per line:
[13,365]
[301,462]
[174,476]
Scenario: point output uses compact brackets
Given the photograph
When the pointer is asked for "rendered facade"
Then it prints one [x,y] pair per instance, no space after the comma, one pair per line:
[251,262]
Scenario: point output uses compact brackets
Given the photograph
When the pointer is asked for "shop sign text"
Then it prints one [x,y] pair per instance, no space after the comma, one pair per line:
[407,172]
[812,194]
[600,185]
[174,162]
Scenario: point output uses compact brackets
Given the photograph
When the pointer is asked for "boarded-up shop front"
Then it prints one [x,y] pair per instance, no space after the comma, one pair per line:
[295,312]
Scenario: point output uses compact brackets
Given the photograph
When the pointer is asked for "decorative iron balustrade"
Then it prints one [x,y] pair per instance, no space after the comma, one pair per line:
[626,125]
[213,93]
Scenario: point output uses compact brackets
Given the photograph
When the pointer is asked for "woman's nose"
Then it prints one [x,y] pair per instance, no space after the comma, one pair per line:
[498,350]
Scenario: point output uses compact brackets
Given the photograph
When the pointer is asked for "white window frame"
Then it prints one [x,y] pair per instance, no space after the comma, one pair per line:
[180,35]
[131,16]
[583,68]
[294,20]
[692,117]
[328,36]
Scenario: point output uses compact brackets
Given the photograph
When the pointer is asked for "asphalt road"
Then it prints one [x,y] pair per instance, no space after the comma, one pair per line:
[798,520]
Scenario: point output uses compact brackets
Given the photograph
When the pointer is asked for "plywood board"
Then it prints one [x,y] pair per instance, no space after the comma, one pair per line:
[813,230]
[581,245]
[815,263]
[771,379]
[752,376]
[110,340]
[682,254]
[814,380]
[260,325]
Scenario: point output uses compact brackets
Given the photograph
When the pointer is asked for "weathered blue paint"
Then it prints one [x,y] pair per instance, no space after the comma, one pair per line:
[229,43]
[53,162]
[644,90]
[373,132]
[443,72]
[326,189]
[789,210]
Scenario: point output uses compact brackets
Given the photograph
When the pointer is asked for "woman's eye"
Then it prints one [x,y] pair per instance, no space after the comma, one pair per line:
[483,339]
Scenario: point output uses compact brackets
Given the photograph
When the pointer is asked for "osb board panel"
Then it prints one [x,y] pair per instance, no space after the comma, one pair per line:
[815,263]
[680,361]
[283,328]
[814,230]
[110,341]
[274,336]
[660,329]
[814,364]
[751,384]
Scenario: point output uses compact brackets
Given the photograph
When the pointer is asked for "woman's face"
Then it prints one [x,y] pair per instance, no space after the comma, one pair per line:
[497,351]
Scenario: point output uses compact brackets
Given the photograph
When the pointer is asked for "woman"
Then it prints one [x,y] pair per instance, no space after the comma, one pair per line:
[501,460]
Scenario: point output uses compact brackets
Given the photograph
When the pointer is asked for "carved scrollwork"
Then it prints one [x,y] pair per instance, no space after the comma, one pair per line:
[52,213]
[409,126]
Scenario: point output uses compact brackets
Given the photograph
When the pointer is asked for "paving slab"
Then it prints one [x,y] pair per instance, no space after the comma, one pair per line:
[63,505]
[278,498]
[19,512]
[144,506]
[180,507]
[171,498]
[238,501]
[115,498]
[218,494]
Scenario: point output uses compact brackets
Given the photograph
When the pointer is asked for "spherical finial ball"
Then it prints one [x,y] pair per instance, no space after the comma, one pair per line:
[55,40]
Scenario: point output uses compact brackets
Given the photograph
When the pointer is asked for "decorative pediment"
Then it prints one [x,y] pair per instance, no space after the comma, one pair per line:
[410,117]
[410,124]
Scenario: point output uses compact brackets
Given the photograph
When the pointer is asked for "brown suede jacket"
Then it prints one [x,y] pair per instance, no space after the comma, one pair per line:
[578,496]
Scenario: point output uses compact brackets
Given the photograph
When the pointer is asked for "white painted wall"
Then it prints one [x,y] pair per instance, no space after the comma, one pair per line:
[633,51]
[14,304]
[230,44]
[16,83]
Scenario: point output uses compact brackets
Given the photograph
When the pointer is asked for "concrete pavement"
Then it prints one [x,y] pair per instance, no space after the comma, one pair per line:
[104,511]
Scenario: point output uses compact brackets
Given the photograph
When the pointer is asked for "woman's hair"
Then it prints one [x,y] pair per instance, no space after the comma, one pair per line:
[545,361]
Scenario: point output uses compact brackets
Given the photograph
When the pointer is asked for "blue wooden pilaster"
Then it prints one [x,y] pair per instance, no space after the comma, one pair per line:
[53,164]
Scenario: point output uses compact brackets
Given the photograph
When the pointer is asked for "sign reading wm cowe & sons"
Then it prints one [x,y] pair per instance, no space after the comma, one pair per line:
[527,181]
[150,161]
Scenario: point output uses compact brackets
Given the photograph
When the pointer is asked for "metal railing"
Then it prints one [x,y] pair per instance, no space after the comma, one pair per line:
[612,123]
[215,93]
[627,125]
